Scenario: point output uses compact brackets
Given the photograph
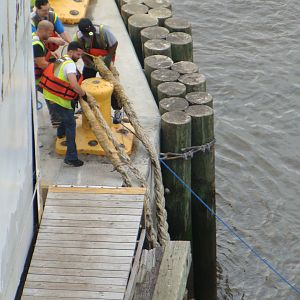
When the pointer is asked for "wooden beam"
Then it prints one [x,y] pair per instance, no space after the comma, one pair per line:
[174,270]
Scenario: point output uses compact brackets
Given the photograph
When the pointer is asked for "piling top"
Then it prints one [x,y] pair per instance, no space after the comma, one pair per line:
[176,117]
[198,98]
[173,104]
[160,13]
[155,32]
[158,3]
[193,78]
[157,44]
[185,67]
[135,8]
[199,111]
[172,88]
[142,21]
[132,1]
[165,75]
[158,61]
[179,38]
[177,24]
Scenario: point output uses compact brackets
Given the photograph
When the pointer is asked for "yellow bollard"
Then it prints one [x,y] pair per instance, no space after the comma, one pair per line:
[101,90]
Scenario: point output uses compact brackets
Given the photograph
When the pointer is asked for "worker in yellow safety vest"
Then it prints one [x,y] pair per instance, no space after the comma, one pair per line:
[61,86]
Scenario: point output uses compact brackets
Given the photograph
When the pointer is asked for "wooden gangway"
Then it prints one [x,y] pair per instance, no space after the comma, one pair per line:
[86,243]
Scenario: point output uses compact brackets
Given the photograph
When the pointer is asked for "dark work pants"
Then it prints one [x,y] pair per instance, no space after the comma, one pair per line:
[68,128]
[89,73]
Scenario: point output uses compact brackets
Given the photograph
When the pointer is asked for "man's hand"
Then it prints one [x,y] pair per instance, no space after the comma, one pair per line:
[56,40]
[56,55]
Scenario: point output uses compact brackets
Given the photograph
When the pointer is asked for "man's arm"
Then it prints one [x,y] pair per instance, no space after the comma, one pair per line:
[74,84]
[59,28]
[39,57]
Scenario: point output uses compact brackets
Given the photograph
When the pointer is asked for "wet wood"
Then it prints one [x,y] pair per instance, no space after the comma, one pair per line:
[158,3]
[170,89]
[181,45]
[152,33]
[175,135]
[160,13]
[185,67]
[176,24]
[155,62]
[194,82]
[157,47]
[174,270]
[203,222]
[136,24]
[162,75]
[172,104]
[122,2]
[199,98]
[130,9]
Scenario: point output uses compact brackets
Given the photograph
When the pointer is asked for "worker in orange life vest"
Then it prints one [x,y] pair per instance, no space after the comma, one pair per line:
[59,36]
[61,86]
[98,41]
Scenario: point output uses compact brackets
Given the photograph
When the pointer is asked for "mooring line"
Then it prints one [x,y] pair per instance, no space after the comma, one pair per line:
[232,231]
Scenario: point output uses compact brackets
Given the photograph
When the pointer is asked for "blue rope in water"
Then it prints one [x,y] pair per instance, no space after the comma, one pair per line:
[232,231]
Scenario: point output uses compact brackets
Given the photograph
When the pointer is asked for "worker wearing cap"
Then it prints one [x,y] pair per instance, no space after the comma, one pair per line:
[95,40]
[59,36]
[98,41]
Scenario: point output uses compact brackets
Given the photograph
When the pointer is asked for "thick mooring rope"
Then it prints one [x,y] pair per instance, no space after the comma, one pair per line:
[121,96]
[124,158]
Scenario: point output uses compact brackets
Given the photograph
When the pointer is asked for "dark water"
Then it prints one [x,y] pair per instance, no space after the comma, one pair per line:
[249,51]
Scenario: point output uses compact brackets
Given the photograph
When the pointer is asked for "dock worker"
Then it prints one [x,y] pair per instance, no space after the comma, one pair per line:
[61,85]
[98,41]
[41,56]
[59,36]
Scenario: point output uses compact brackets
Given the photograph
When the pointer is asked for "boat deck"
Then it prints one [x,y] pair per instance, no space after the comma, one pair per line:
[86,243]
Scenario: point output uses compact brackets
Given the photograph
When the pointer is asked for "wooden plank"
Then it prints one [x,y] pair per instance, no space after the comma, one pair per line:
[100,190]
[94,203]
[76,279]
[89,225]
[72,294]
[80,273]
[86,245]
[174,271]
[83,252]
[74,286]
[87,237]
[82,258]
[94,210]
[96,197]
[90,217]
[80,265]
[133,274]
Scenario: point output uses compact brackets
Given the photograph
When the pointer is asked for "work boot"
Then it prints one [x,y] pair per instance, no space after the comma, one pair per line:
[74,163]
[117,117]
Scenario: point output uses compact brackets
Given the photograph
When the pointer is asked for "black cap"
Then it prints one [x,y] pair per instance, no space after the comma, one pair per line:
[85,25]
[74,46]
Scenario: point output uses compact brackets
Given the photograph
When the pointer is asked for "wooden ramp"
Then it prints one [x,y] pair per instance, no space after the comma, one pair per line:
[86,243]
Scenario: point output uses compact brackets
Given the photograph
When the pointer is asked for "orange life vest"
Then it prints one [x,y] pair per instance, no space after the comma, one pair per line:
[56,86]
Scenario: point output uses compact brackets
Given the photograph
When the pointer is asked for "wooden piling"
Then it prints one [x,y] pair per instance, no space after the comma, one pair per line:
[194,82]
[161,14]
[176,24]
[122,2]
[172,104]
[153,33]
[176,134]
[159,76]
[170,89]
[203,184]
[199,98]
[158,3]
[135,24]
[157,47]
[181,45]
[130,9]
[185,67]
[155,62]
